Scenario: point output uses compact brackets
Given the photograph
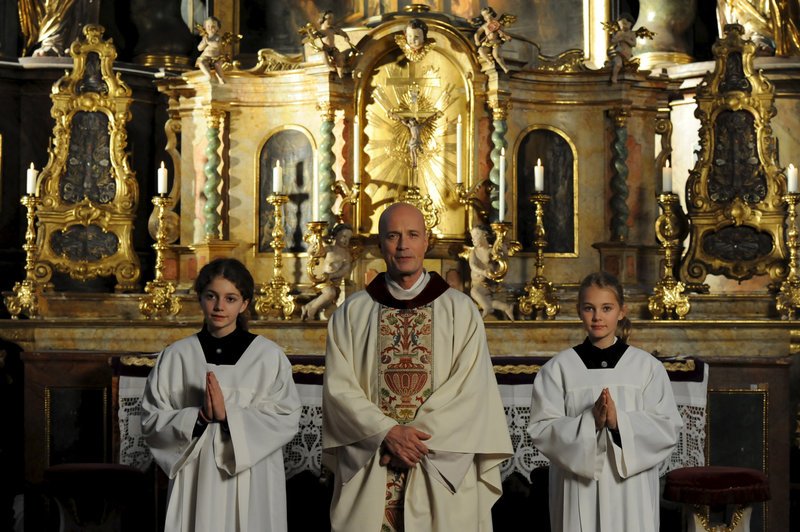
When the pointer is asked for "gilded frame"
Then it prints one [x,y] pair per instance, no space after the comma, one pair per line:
[735,87]
[84,90]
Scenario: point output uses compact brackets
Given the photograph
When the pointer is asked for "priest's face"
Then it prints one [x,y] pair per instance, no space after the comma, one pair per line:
[600,313]
[403,241]
[222,303]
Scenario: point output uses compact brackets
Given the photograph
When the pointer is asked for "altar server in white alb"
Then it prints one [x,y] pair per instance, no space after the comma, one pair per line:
[218,408]
[413,425]
[604,414]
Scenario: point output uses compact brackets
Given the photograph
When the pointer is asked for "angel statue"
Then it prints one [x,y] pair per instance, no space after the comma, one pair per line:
[336,266]
[214,48]
[414,41]
[489,36]
[623,39]
[326,35]
[417,128]
[479,260]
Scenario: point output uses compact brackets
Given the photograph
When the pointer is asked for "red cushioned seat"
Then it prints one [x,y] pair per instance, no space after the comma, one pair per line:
[716,486]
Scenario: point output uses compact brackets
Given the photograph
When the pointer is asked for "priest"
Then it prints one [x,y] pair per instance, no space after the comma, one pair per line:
[413,426]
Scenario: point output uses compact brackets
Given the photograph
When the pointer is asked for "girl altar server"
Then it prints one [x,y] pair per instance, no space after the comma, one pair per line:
[604,414]
[218,408]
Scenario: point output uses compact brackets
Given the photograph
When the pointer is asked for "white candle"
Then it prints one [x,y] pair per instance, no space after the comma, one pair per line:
[459,140]
[277,178]
[161,182]
[356,152]
[538,176]
[502,215]
[666,178]
[791,178]
[315,190]
[32,174]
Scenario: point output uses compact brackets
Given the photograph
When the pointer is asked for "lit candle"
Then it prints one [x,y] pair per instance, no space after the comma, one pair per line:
[791,179]
[32,174]
[161,182]
[666,178]
[502,215]
[277,178]
[459,140]
[315,190]
[538,176]
[356,152]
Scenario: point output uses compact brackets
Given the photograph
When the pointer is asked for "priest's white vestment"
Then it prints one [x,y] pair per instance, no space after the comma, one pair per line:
[454,487]
[595,484]
[222,481]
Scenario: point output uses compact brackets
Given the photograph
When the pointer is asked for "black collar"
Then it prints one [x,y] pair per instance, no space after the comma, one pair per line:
[226,350]
[379,291]
[596,358]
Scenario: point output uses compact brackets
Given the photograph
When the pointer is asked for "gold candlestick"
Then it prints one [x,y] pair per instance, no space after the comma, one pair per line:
[498,267]
[539,292]
[669,295]
[787,301]
[274,295]
[347,195]
[27,292]
[161,300]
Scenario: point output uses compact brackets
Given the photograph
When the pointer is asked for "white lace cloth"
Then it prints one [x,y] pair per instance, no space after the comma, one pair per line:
[303,453]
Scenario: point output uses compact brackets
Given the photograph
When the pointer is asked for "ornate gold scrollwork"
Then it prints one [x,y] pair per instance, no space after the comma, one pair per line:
[734,193]
[88,191]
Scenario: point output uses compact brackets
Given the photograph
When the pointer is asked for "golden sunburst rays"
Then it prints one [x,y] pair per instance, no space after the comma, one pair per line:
[408,121]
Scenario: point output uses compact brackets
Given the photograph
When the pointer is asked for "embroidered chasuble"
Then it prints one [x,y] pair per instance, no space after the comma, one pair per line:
[422,362]
[406,356]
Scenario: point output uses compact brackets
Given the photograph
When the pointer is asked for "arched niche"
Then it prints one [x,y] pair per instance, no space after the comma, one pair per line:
[437,87]
[559,158]
[292,146]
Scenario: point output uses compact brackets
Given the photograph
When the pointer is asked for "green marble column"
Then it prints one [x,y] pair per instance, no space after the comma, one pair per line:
[619,181]
[213,177]
[499,114]
[326,161]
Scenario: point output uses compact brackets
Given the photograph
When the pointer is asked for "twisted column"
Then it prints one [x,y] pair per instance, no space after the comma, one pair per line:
[213,177]
[619,181]
[326,161]
[499,115]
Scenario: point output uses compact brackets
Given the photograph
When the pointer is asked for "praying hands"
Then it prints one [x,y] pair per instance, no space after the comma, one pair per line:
[605,411]
[214,402]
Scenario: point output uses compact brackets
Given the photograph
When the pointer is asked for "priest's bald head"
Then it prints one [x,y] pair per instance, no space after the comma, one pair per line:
[403,240]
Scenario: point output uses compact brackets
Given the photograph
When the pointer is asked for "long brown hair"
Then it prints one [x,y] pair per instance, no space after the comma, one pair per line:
[606,280]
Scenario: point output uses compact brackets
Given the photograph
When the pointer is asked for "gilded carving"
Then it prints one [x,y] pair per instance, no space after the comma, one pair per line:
[733,194]
[88,191]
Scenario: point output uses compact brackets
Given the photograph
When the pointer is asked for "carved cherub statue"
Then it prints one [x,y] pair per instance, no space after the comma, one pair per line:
[336,266]
[479,263]
[214,48]
[623,39]
[326,35]
[490,36]
[414,41]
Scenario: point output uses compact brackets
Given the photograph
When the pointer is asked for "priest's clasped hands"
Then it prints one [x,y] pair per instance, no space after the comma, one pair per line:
[605,411]
[214,403]
[403,447]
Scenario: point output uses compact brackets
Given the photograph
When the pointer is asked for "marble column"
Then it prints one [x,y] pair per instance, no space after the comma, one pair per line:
[326,161]
[500,127]
[213,177]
